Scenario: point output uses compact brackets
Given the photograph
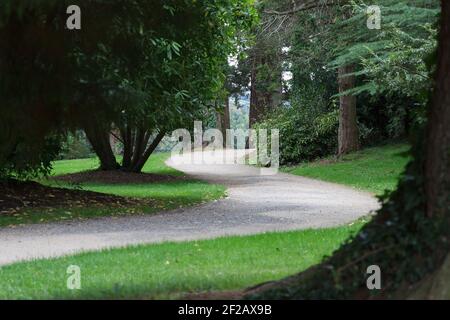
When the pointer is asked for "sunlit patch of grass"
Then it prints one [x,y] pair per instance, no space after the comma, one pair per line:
[153,197]
[373,169]
[169,270]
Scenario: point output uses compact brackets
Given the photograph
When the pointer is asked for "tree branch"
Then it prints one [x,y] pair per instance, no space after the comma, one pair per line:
[303,7]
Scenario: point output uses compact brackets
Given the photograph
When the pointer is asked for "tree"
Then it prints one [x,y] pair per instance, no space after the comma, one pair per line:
[348,136]
[137,69]
[266,81]
[381,56]
[437,163]
[165,73]
[264,63]
[326,14]
[408,238]
[357,52]
[32,109]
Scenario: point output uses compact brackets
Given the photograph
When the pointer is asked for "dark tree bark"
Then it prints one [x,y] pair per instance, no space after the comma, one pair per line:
[99,138]
[348,139]
[437,163]
[137,149]
[262,101]
[255,99]
[148,152]
[223,120]
[140,144]
[128,145]
[437,160]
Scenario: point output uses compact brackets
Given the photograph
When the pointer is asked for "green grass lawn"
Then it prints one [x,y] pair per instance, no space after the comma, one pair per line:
[168,195]
[170,269]
[162,195]
[155,164]
[373,169]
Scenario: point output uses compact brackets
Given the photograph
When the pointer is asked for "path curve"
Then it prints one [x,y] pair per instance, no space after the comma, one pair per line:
[255,204]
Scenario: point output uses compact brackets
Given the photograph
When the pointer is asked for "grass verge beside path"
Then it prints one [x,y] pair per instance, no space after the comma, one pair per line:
[155,164]
[373,169]
[147,197]
[167,195]
[169,270]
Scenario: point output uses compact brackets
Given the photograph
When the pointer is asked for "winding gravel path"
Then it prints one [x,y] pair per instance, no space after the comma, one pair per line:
[256,203]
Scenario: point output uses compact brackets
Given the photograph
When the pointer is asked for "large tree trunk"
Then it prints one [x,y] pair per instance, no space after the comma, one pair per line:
[437,163]
[348,128]
[99,139]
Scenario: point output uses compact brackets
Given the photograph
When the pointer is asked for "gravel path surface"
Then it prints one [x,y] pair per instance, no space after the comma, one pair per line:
[256,203]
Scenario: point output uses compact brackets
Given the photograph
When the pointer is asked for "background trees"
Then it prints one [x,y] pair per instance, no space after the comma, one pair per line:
[136,68]
[32,48]
[408,239]
[166,61]
[375,81]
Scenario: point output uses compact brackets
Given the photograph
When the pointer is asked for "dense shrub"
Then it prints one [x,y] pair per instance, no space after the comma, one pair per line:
[27,160]
[305,134]
[390,117]
[76,146]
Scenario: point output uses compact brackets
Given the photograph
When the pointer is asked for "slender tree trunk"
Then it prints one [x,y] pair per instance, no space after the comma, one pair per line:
[348,140]
[140,144]
[259,99]
[437,163]
[148,152]
[226,115]
[99,139]
[255,106]
[223,120]
[267,93]
[128,143]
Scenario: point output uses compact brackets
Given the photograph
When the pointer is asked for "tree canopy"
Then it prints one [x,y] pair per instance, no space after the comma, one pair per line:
[142,67]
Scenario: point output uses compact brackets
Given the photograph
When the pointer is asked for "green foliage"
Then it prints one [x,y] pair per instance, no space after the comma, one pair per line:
[159,65]
[374,169]
[392,59]
[405,243]
[148,64]
[239,116]
[76,146]
[402,68]
[28,160]
[304,134]
[150,197]
[392,77]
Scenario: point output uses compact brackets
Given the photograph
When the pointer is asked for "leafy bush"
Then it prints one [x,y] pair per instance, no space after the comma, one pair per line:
[26,160]
[76,146]
[305,134]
